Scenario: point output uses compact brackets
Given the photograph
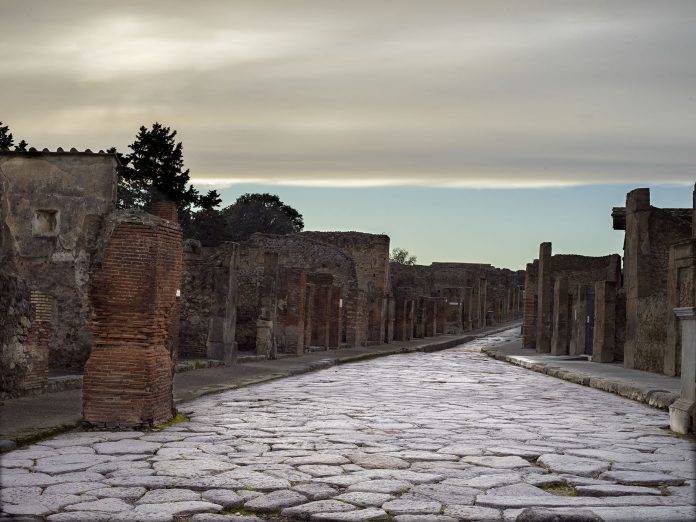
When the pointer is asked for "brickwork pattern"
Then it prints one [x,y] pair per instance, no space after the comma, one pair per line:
[128,377]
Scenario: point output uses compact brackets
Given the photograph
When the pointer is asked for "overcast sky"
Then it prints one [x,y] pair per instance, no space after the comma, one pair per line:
[431,93]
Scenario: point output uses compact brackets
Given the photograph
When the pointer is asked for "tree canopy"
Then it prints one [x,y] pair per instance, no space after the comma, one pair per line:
[402,256]
[154,170]
[249,214]
[7,140]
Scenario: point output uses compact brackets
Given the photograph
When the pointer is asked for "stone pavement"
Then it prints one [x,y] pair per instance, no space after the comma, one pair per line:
[447,436]
[32,417]
[651,388]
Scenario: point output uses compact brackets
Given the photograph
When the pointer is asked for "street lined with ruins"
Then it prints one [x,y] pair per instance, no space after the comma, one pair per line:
[453,435]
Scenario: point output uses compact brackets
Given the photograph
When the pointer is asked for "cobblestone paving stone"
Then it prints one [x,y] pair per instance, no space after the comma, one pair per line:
[453,435]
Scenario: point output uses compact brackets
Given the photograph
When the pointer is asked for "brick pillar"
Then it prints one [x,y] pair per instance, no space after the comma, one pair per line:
[128,377]
[165,209]
[561,318]
[605,322]
[38,339]
[544,296]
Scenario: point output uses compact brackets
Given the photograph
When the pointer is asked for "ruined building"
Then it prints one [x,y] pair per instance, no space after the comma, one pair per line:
[86,287]
[577,305]
[453,298]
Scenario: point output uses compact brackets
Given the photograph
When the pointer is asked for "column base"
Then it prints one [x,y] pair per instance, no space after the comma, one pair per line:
[682,416]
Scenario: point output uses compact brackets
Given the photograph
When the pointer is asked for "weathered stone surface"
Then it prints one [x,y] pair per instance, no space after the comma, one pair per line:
[79,516]
[413,507]
[375,461]
[303,511]
[472,512]
[606,490]
[126,446]
[73,488]
[642,478]
[315,491]
[119,492]
[511,462]
[367,515]
[276,500]
[381,486]
[171,509]
[227,498]
[212,517]
[106,505]
[488,481]
[545,515]
[573,465]
[160,496]
[365,499]
[424,518]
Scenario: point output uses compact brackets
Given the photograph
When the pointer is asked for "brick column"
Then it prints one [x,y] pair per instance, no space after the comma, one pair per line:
[544,296]
[559,340]
[128,377]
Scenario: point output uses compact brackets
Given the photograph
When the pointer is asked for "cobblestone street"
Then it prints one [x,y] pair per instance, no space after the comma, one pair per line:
[453,435]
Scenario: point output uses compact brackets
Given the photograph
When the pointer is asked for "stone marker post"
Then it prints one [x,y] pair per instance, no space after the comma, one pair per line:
[682,413]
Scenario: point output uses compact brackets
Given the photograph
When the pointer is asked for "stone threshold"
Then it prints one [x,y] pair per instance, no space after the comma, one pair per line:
[656,390]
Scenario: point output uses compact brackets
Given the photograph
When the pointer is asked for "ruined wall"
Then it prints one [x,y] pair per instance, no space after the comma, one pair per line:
[576,271]
[650,232]
[23,365]
[209,301]
[128,377]
[53,211]
[370,252]
[681,292]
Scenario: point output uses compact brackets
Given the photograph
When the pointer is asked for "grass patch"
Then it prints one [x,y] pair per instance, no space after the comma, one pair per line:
[178,418]
[562,490]
[44,433]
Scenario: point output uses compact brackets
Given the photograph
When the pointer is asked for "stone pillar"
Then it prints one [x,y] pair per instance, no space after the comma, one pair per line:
[529,307]
[559,340]
[682,413]
[334,317]
[128,377]
[466,309]
[544,296]
[605,321]
[579,323]
[264,337]
[430,315]
[291,310]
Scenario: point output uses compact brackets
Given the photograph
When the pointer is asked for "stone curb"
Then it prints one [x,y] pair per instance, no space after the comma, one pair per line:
[660,399]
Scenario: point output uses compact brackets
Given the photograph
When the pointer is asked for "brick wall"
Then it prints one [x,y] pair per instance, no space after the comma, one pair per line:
[128,377]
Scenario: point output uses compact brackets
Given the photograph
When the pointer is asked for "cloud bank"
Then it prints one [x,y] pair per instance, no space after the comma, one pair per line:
[335,93]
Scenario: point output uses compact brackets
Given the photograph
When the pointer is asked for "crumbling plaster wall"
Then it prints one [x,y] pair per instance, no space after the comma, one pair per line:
[55,204]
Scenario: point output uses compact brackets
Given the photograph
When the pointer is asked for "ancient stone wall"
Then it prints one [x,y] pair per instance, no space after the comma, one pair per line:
[23,364]
[54,205]
[681,292]
[128,376]
[650,233]
[209,301]
[575,271]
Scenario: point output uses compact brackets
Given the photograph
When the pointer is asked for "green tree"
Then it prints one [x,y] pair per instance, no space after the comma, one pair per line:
[154,171]
[7,140]
[251,213]
[402,256]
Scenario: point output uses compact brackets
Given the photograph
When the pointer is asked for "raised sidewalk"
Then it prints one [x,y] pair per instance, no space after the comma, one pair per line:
[654,389]
[33,417]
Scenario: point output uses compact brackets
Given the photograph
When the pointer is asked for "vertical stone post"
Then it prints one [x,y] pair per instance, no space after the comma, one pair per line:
[466,309]
[682,413]
[580,320]
[605,320]
[559,340]
[544,296]
[529,306]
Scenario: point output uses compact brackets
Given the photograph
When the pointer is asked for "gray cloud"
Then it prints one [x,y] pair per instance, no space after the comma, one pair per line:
[327,92]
